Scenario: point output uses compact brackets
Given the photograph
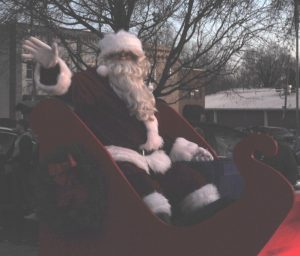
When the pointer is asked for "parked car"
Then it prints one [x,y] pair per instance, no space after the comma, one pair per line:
[7,184]
[279,133]
[222,138]
[15,209]
[8,135]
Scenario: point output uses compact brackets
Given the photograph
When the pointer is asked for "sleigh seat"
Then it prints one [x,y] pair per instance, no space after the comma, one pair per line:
[129,228]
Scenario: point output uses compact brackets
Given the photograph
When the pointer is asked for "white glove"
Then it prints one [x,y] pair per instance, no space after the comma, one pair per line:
[40,52]
[202,155]
[184,150]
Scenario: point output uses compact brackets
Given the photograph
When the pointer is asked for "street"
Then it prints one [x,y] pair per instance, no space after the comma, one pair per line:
[13,249]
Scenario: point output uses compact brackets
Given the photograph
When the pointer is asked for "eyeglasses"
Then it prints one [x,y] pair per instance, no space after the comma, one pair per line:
[123,55]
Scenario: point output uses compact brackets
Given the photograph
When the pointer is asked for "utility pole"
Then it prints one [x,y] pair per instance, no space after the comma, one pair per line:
[12,67]
[33,91]
[296,18]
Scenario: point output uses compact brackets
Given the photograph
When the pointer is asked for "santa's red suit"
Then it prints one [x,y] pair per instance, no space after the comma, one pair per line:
[163,176]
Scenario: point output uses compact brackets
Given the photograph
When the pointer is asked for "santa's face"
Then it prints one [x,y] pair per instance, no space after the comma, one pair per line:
[126,74]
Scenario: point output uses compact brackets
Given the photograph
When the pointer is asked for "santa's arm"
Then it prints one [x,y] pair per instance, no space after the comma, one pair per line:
[51,73]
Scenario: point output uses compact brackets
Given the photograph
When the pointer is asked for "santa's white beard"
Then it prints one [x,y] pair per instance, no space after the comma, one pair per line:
[127,80]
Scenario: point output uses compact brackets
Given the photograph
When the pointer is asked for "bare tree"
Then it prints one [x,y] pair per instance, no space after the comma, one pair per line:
[185,34]
[284,11]
[268,67]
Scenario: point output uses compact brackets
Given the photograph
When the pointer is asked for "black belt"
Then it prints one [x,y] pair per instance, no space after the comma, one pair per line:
[145,152]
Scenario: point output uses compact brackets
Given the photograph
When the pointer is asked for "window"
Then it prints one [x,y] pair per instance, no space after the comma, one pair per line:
[29,70]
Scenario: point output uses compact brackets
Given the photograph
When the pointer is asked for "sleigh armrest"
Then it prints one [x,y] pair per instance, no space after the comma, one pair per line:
[178,126]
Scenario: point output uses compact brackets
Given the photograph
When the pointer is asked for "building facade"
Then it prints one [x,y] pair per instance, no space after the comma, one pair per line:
[252,107]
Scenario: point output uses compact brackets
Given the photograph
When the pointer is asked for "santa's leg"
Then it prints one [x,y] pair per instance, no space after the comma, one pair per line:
[191,196]
[148,189]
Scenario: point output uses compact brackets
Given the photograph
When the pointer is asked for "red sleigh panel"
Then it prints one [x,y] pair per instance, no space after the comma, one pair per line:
[242,228]
[286,239]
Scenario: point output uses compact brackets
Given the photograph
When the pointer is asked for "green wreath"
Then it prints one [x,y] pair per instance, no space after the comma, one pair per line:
[71,191]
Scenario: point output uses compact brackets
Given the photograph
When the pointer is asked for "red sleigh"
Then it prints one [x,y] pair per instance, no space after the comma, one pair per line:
[130,229]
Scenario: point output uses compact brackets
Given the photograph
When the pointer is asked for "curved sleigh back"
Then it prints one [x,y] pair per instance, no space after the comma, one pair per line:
[129,228]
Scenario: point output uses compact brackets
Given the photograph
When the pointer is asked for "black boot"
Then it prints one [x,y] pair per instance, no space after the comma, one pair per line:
[165,217]
[204,213]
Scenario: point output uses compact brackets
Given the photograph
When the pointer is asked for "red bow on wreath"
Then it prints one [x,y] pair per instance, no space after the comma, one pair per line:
[69,189]
[59,171]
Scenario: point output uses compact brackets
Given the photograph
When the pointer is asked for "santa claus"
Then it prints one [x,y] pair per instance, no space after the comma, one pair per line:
[115,103]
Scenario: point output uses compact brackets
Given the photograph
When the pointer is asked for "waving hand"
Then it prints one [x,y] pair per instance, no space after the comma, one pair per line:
[40,52]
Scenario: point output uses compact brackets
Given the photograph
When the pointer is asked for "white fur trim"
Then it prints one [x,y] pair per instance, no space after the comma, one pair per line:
[184,150]
[157,203]
[120,41]
[154,140]
[159,162]
[63,79]
[199,198]
[102,70]
[128,155]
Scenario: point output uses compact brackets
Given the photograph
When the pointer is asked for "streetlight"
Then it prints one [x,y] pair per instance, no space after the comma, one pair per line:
[296,17]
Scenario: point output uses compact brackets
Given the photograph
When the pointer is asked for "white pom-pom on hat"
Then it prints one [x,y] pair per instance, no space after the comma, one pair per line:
[102,70]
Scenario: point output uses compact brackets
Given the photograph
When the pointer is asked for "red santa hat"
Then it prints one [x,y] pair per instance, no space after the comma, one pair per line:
[117,42]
